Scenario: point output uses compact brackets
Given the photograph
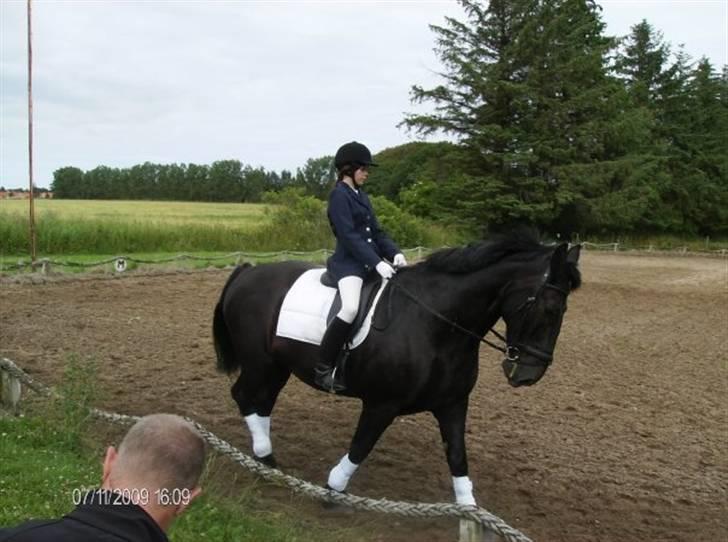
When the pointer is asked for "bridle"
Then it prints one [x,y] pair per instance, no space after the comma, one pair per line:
[511,350]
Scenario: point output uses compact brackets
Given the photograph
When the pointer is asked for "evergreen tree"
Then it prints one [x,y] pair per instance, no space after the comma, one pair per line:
[702,176]
[480,104]
[642,64]
[528,95]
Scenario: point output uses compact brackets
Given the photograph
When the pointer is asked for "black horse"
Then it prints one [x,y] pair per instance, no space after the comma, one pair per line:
[425,359]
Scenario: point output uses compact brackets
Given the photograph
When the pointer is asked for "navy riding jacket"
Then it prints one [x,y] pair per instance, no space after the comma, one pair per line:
[360,242]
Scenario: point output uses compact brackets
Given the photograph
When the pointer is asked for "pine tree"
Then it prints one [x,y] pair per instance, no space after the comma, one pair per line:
[528,96]
[479,104]
[700,176]
[642,64]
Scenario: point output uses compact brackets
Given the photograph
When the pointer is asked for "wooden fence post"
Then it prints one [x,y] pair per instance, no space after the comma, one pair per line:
[471,531]
[10,391]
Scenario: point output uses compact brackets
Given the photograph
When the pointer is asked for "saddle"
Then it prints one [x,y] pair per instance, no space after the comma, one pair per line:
[313,301]
[368,291]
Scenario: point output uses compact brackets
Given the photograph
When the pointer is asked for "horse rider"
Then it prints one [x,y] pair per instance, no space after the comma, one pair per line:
[361,248]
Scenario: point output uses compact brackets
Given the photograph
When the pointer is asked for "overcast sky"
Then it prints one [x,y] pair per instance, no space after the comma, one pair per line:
[267,83]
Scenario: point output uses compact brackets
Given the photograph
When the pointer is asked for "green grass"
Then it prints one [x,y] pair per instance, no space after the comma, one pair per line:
[40,471]
[101,227]
[53,453]
[244,215]
[67,229]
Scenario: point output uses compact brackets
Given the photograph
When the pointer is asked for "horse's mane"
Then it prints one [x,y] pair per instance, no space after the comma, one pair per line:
[519,245]
[523,245]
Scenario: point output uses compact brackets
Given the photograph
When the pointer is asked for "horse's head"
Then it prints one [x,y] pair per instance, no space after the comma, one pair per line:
[533,309]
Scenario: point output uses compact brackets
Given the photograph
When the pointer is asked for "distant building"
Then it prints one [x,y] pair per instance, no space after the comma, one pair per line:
[19,193]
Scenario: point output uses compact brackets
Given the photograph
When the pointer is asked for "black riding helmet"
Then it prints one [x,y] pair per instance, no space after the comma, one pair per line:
[353,153]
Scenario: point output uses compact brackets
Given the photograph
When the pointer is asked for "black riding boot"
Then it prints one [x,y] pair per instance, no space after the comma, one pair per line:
[331,346]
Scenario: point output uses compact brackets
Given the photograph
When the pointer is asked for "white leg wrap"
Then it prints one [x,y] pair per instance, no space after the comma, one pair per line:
[341,473]
[463,490]
[265,422]
[259,428]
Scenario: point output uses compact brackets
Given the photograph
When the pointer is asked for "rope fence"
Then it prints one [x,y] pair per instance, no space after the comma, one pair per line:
[122,262]
[471,513]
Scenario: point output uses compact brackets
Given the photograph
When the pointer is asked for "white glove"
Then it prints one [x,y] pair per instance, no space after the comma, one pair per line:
[399,260]
[386,270]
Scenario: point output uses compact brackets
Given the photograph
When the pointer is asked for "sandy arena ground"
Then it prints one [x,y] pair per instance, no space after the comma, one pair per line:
[625,439]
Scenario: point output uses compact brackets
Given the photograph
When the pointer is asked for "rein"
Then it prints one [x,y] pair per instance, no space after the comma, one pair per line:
[512,352]
[436,314]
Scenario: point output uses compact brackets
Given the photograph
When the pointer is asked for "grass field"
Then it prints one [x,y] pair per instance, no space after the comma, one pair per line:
[178,213]
[68,227]
[92,230]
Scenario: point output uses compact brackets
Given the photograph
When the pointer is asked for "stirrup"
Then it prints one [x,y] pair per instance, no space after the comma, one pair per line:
[329,383]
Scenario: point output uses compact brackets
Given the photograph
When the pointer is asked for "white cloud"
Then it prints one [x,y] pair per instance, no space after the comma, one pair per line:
[269,83]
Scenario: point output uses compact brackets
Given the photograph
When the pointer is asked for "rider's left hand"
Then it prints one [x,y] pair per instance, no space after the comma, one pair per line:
[399,260]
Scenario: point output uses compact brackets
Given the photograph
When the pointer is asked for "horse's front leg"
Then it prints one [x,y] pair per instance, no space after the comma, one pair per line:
[452,429]
[374,419]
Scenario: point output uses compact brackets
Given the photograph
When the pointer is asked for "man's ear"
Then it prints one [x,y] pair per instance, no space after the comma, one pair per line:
[196,492]
[109,459]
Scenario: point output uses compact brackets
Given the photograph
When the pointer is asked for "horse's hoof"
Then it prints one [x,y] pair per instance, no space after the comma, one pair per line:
[333,506]
[268,461]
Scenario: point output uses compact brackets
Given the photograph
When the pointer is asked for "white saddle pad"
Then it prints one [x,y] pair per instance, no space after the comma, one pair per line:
[306,306]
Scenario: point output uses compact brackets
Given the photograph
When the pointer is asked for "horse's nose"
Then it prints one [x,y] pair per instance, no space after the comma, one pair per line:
[521,375]
[517,383]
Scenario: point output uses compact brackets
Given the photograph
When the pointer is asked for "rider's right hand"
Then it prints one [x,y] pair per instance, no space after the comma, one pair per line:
[385,270]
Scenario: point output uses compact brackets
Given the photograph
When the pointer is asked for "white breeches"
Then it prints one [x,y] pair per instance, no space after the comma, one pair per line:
[350,290]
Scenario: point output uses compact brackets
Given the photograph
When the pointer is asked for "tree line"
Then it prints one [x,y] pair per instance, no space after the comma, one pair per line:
[550,122]
[222,181]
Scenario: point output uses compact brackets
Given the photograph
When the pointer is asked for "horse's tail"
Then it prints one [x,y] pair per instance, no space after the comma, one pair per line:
[226,361]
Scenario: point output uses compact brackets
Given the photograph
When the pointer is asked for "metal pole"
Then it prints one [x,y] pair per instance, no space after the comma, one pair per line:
[30,139]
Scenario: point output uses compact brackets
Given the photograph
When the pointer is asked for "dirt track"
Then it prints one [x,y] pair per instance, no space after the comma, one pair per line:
[625,439]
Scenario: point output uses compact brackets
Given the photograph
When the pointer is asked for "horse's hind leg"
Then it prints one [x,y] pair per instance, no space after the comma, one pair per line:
[255,392]
[374,419]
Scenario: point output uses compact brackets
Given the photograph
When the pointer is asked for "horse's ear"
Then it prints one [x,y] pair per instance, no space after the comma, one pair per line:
[558,259]
[573,255]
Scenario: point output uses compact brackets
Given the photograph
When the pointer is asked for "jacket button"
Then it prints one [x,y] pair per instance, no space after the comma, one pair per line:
[368,228]
[369,240]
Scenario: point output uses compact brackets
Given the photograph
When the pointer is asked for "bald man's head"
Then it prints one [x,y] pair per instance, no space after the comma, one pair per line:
[160,451]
